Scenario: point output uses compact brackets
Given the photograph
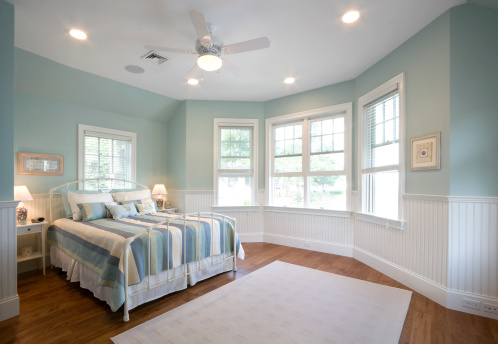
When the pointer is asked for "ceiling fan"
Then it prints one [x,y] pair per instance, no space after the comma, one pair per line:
[210,48]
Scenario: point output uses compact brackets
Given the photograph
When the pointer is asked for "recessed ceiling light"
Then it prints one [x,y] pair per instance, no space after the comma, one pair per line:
[78,34]
[351,17]
[193,81]
[289,80]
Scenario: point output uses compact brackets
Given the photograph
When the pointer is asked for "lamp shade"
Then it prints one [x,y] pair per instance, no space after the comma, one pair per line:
[159,189]
[21,193]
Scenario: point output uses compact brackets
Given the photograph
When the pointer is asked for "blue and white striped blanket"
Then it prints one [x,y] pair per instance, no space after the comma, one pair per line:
[98,245]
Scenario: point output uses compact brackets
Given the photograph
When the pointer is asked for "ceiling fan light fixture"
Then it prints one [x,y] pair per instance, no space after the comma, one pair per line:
[193,81]
[209,62]
[350,17]
[78,34]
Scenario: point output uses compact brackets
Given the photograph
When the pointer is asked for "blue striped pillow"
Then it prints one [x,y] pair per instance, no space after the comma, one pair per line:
[120,211]
[93,211]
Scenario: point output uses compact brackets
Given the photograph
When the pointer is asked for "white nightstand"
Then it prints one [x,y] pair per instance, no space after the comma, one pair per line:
[38,229]
[170,210]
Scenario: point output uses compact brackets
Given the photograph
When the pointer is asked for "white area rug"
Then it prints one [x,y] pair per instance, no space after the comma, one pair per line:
[283,303]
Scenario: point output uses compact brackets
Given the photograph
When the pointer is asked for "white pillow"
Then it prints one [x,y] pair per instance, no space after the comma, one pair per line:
[131,195]
[75,199]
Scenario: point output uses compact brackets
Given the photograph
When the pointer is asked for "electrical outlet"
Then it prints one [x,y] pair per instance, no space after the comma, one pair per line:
[490,308]
[307,244]
[471,303]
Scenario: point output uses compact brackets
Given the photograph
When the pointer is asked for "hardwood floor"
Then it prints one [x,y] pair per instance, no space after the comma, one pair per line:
[56,311]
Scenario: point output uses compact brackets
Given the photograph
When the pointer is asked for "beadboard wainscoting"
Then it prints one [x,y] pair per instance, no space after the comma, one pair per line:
[446,249]
[9,300]
[472,256]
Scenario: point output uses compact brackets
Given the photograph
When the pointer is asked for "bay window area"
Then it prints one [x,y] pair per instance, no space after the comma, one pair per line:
[310,159]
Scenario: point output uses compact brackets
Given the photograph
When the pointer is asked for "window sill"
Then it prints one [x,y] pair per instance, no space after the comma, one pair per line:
[308,211]
[228,208]
[388,223]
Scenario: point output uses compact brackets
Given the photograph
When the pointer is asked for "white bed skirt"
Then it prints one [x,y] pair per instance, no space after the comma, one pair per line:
[77,272]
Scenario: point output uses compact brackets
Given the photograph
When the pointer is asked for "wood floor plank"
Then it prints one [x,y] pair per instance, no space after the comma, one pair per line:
[54,310]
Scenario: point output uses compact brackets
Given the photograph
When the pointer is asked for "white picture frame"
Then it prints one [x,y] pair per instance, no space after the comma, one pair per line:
[425,152]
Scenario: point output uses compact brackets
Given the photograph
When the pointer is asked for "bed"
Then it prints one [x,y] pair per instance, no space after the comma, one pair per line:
[115,242]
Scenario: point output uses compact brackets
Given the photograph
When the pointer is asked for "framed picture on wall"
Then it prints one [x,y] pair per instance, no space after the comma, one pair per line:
[40,164]
[425,152]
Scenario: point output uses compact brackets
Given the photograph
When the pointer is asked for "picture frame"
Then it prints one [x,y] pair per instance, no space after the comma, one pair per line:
[40,164]
[425,152]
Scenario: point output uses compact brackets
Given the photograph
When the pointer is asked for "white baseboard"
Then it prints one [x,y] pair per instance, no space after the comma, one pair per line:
[9,308]
[455,300]
[319,246]
[421,285]
[250,237]
[450,299]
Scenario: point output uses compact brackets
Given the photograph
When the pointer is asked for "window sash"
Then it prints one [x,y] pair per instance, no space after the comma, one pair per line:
[306,173]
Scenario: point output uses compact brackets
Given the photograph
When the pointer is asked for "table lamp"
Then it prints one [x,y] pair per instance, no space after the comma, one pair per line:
[21,193]
[159,189]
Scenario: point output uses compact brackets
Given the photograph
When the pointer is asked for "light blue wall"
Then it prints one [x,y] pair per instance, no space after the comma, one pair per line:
[200,131]
[309,100]
[474,101]
[425,60]
[6,101]
[46,120]
[176,148]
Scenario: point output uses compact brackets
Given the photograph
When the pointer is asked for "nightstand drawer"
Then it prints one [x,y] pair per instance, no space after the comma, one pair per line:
[29,229]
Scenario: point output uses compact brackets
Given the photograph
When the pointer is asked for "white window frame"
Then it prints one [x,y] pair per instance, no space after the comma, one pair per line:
[105,132]
[310,115]
[236,122]
[389,86]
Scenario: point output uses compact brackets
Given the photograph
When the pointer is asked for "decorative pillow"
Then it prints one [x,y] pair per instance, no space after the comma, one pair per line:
[145,209]
[94,211]
[75,199]
[120,211]
[131,195]
[145,201]
[65,200]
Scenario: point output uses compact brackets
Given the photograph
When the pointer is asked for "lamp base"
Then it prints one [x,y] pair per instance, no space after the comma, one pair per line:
[22,215]
[160,202]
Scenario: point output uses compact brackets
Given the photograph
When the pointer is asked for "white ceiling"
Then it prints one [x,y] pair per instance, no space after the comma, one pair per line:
[308,40]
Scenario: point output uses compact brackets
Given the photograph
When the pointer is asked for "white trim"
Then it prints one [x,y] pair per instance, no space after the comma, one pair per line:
[237,122]
[388,223]
[250,237]
[308,211]
[9,204]
[236,208]
[314,245]
[422,285]
[82,128]
[389,86]
[9,307]
[435,198]
[309,115]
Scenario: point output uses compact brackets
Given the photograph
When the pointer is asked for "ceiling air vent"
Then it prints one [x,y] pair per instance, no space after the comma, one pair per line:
[155,57]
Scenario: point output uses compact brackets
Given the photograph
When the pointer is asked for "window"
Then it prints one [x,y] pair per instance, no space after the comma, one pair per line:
[105,153]
[381,145]
[310,159]
[235,161]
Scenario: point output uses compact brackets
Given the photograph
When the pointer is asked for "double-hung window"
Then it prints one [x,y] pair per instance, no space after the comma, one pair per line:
[235,161]
[105,153]
[310,159]
[381,150]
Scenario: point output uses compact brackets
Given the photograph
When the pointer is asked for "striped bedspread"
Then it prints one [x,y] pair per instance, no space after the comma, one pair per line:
[99,245]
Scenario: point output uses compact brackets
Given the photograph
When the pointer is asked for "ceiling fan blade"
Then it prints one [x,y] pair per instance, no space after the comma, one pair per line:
[201,28]
[170,50]
[253,44]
